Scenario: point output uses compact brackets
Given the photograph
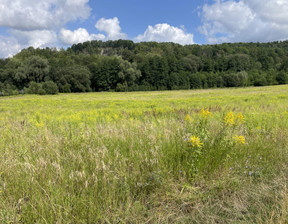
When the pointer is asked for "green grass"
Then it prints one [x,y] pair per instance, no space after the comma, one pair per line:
[126,157]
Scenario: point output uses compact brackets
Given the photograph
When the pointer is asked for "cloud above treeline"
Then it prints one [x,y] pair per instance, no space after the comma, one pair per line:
[166,33]
[37,23]
[80,35]
[111,27]
[245,21]
[41,15]
[43,24]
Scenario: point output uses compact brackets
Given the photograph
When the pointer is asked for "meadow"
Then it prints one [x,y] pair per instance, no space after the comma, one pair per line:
[193,156]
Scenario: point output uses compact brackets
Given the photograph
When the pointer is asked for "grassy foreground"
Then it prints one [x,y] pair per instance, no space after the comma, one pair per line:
[207,156]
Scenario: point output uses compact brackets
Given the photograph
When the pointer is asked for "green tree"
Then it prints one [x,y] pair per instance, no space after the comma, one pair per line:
[35,88]
[192,63]
[36,68]
[73,78]
[50,87]
[282,78]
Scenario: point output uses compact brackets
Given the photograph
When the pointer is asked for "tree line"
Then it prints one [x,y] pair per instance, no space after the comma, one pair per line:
[123,65]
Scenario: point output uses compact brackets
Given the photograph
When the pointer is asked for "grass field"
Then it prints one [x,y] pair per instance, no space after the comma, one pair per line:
[205,156]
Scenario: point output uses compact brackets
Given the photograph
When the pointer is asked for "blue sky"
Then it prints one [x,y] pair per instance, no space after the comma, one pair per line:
[61,23]
[135,17]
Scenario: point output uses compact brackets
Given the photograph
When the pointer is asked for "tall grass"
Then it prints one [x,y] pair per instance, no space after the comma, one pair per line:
[153,157]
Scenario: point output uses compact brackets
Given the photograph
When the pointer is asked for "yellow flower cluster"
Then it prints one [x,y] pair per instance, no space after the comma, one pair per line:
[239,139]
[195,141]
[231,119]
[188,118]
[205,113]
[239,118]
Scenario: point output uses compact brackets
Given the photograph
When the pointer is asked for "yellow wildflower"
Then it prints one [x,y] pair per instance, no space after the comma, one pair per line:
[229,119]
[205,113]
[239,118]
[195,141]
[239,139]
[188,118]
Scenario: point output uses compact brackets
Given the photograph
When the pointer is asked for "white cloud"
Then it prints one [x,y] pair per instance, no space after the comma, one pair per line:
[8,47]
[22,39]
[80,35]
[166,33]
[35,38]
[36,23]
[35,14]
[272,11]
[245,20]
[111,27]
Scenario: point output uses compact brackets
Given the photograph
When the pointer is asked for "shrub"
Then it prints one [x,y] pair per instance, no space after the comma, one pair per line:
[50,87]
[35,88]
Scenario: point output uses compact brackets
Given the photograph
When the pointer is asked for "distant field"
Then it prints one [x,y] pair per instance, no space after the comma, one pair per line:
[203,156]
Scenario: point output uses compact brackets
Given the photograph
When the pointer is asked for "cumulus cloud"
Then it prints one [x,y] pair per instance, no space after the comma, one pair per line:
[8,46]
[36,23]
[35,14]
[69,37]
[166,33]
[272,11]
[245,21]
[111,27]
[35,38]
[23,39]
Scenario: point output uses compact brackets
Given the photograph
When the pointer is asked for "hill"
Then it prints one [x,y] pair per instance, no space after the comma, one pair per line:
[126,66]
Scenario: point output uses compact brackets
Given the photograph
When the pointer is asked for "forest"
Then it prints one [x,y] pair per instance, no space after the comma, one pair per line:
[123,65]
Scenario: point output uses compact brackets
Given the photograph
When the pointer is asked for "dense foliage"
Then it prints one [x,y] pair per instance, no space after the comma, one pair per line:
[126,66]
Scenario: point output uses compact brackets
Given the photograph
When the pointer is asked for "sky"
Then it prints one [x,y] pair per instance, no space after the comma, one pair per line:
[62,23]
